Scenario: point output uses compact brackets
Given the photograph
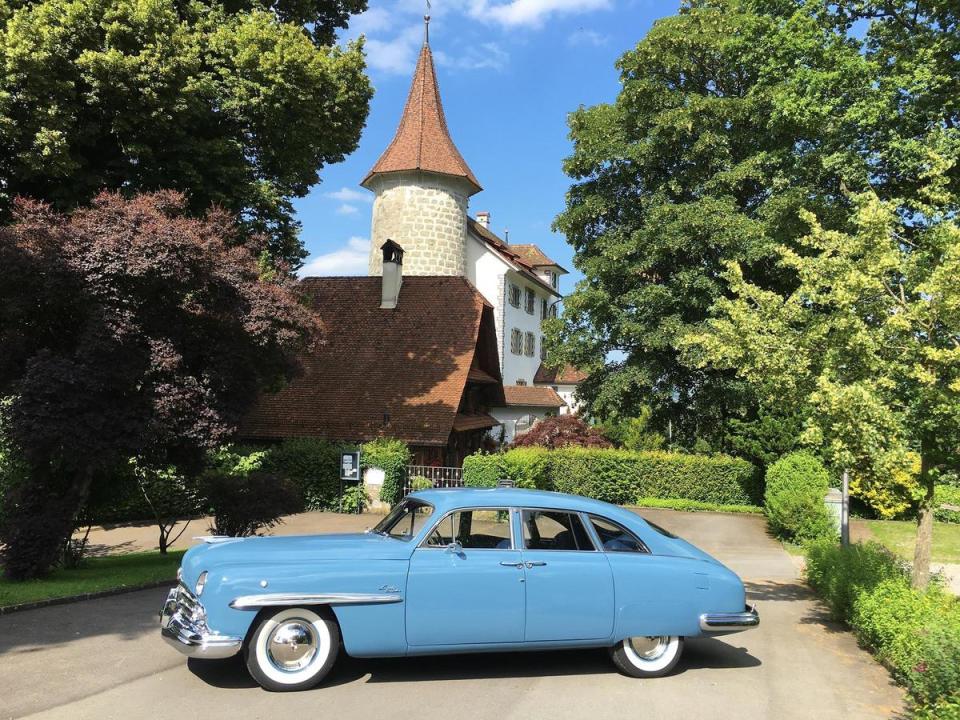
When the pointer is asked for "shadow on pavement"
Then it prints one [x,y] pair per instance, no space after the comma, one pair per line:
[699,654]
[769,591]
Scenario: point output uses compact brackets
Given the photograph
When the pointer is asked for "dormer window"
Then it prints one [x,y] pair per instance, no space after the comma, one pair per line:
[515,295]
[531,300]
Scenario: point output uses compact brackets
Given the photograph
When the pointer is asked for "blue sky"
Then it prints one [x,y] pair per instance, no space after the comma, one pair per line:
[509,72]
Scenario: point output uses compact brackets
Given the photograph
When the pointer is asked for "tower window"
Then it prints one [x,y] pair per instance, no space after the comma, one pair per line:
[515,295]
[528,344]
[554,279]
[543,309]
[531,300]
[543,348]
[516,341]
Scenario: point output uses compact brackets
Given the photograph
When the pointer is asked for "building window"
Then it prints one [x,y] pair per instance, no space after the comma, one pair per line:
[553,310]
[516,341]
[521,381]
[531,300]
[524,422]
[543,348]
[515,295]
[554,279]
[528,346]
[544,309]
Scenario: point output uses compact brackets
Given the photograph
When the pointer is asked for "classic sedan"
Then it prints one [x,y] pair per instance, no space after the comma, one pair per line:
[453,571]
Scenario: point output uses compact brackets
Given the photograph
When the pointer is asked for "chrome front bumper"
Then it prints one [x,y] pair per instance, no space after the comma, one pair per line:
[725,623]
[183,624]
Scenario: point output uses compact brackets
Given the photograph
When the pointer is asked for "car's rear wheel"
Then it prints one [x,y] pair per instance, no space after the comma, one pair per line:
[293,649]
[647,656]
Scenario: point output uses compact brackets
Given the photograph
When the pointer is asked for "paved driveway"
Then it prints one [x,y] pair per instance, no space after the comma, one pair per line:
[104,659]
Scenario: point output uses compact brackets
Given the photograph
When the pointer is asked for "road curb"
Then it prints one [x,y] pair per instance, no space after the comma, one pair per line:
[9,609]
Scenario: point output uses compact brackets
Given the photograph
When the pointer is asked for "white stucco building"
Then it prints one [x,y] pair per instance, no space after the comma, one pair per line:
[422,187]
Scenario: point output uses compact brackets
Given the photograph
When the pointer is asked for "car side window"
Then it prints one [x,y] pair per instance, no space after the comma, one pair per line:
[554,530]
[483,529]
[616,538]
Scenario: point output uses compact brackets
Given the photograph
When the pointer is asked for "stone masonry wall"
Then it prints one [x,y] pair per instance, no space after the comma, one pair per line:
[427,215]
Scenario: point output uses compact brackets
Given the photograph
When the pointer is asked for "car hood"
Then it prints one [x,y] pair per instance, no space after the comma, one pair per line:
[292,549]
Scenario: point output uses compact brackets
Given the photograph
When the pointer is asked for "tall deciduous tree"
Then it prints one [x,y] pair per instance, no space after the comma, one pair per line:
[238,104]
[734,117]
[871,337]
[128,329]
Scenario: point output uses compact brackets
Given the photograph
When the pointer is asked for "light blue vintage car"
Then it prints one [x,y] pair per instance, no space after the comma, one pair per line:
[452,571]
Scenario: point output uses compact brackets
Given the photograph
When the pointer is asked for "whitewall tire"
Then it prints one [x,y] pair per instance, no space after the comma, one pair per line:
[647,657]
[293,649]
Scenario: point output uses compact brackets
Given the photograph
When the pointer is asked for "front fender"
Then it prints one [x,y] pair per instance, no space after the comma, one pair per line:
[367,628]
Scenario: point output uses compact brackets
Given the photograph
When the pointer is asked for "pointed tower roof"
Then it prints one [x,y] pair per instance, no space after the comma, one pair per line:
[423,141]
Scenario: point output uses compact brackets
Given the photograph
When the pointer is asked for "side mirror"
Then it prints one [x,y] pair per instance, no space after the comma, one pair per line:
[455,547]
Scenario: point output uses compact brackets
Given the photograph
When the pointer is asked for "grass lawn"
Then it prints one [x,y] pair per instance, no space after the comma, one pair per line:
[96,574]
[899,536]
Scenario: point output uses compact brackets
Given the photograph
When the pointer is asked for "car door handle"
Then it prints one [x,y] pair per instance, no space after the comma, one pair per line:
[535,563]
[512,564]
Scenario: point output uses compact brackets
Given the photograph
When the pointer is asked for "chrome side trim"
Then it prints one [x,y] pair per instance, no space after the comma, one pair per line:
[715,623]
[252,602]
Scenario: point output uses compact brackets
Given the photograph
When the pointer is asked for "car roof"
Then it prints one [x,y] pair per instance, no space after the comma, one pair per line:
[451,498]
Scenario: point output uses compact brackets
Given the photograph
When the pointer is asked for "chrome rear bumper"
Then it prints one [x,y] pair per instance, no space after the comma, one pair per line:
[183,624]
[724,623]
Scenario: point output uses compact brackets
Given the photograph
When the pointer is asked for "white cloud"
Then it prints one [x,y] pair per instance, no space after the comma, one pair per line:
[587,37]
[352,259]
[373,20]
[487,55]
[531,13]
[397,55]
[346,209]
[349,195]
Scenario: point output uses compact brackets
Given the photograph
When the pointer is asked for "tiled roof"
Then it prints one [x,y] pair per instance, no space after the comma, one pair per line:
[567,375]
[423,141]
[480,421]
[395,373]
[534,256]
[507,252]
[532,396]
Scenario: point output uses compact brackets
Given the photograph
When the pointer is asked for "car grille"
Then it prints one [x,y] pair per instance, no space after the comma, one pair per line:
[189,606]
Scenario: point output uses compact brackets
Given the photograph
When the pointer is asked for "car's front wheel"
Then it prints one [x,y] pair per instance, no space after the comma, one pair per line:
[646,657]
[293,649]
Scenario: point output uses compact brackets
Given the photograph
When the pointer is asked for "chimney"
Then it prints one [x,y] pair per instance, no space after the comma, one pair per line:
[392,274]
[483,219]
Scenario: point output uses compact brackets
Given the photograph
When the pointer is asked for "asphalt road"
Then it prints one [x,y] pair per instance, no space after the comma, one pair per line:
[104,659]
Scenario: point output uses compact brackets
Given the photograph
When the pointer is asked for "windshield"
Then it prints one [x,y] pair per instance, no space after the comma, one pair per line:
[405,520]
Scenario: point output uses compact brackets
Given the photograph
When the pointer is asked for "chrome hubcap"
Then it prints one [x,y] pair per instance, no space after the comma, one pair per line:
[292,646]
[649,648]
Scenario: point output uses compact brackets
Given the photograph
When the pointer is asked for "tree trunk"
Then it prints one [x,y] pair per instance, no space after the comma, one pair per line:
[924,544]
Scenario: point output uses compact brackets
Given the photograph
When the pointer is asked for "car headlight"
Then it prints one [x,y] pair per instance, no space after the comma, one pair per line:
[201,582]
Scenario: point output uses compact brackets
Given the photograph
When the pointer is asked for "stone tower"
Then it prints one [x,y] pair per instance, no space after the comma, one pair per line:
[422,184]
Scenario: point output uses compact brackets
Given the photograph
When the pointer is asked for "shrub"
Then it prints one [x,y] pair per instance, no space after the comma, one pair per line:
[420,483]
[794,499]
[946,495]
[914,633]
[313,465]
[391,456]
[619,476]
[355,498]
[243,505]
[562,431]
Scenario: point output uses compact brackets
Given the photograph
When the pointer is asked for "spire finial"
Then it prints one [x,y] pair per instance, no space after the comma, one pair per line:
[426,28]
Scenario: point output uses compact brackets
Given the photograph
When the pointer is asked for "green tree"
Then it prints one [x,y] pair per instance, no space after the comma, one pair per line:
[870,338]
[733,117]
[236,104]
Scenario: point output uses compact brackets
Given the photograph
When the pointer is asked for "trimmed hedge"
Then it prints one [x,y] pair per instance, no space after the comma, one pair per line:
[915,634]
[696,506]
[620,476]
[796,486]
